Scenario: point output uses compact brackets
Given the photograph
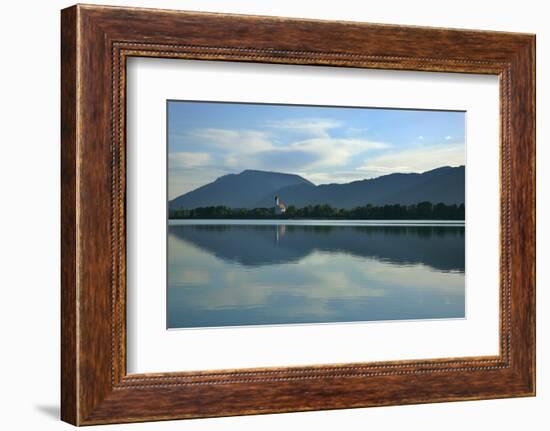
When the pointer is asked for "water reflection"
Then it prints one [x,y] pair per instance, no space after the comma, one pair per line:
[226,275]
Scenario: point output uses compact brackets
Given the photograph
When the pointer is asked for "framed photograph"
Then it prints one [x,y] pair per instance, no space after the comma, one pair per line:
[263,214]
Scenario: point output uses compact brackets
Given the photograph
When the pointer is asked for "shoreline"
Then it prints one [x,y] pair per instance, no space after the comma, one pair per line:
[313,222]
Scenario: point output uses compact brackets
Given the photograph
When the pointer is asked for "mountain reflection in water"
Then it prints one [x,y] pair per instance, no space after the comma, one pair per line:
[235,275]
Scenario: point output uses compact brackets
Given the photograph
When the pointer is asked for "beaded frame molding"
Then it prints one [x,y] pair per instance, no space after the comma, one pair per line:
[95,43]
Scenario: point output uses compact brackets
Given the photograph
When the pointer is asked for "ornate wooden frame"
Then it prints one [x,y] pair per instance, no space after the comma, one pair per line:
[95,42]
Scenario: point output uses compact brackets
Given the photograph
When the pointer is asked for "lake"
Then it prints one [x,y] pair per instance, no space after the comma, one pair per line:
[270,272]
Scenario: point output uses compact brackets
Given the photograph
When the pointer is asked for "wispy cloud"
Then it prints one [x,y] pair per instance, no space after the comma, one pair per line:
[251,149]
[312,127]
[185,159]
[227,139]
[315,153]
[332,152]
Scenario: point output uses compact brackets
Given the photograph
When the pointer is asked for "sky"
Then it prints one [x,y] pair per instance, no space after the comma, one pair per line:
[207,140]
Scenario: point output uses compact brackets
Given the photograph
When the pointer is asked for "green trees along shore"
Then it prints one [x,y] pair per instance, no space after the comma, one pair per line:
[419,211]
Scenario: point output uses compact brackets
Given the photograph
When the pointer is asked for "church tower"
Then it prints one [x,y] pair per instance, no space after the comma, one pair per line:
[280,207]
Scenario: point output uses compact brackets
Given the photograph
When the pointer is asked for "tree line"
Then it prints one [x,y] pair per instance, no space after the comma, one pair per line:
[421,211]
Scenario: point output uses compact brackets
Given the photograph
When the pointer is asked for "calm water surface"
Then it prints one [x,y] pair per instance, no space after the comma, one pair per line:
[235,273]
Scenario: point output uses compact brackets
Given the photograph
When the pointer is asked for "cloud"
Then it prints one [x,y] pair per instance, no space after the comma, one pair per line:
[186,159]
[250,149]
[447,138]
[226,139]
[228,151]
[311,127]
[317,153]
[188,171]
[421,137]
[415,160]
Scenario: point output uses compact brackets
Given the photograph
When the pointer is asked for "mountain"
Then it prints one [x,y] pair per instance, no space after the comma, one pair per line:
[242,190]
[256,189]
[444,184]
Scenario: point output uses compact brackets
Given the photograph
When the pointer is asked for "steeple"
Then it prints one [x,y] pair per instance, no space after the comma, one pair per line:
[280,207]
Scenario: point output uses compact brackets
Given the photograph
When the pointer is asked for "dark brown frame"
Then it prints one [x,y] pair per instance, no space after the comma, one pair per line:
[95,43]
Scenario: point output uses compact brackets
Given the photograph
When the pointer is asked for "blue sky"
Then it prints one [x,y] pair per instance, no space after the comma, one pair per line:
[323,144]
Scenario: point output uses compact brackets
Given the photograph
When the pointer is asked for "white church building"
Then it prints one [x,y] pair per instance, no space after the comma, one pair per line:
[280,207]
